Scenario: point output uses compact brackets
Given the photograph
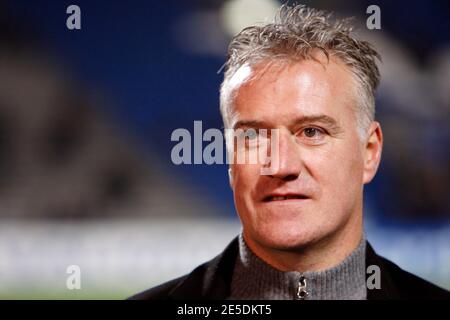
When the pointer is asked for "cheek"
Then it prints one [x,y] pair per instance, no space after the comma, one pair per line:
[244,179]
[338,169]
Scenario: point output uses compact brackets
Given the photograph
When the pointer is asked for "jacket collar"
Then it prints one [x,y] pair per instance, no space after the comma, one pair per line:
[388,289]
[212,280]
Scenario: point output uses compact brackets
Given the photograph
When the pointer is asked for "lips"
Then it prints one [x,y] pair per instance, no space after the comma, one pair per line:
[283,197]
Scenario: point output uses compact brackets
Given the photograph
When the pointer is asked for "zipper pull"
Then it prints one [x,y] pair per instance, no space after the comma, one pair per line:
[302,293]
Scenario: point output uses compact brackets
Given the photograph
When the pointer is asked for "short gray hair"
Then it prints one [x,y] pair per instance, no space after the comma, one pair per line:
[296,32]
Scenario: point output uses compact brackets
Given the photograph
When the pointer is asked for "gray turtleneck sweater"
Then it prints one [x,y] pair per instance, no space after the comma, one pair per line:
[254,279]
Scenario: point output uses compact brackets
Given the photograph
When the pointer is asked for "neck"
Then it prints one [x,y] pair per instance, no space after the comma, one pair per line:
[319,255]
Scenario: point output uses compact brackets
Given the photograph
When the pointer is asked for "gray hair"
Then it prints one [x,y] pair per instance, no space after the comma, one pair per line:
[296,32]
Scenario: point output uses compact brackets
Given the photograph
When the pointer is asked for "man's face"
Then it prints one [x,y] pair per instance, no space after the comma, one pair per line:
[321,157]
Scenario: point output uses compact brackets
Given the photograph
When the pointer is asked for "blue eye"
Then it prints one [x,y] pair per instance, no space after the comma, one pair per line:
[251,134]
[312,132]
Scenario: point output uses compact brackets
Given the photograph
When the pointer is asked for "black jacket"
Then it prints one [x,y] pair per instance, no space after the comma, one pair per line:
[211,281]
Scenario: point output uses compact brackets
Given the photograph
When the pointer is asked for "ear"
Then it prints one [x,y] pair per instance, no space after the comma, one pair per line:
[230,176]
[372,152]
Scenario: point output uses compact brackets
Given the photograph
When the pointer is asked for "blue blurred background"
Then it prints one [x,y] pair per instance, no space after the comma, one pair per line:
[86,118]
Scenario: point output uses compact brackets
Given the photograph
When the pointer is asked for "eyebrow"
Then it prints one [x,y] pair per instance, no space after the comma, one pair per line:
[250,124]
[321,118]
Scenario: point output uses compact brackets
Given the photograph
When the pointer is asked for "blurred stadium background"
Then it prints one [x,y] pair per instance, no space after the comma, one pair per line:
[85,124]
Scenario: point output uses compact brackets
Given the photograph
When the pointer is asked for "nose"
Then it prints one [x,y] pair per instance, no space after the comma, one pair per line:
[287,166]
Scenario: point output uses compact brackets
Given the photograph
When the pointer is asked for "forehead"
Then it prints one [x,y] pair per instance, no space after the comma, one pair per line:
[276,92]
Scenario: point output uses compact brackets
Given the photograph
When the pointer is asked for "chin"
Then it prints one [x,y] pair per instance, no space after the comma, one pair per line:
[287,235]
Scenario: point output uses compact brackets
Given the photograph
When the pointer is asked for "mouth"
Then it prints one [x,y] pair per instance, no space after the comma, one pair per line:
[284,197]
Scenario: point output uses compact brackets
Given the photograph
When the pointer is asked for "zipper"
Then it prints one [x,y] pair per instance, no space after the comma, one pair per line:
[302,293]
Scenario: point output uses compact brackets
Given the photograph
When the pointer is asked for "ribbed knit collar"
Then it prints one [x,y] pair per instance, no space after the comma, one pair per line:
[254,279]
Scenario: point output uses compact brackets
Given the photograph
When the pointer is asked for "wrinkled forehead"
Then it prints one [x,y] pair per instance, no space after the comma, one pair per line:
[271,90]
